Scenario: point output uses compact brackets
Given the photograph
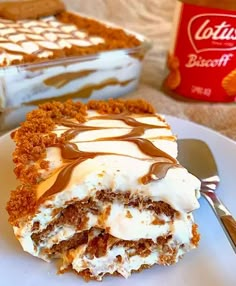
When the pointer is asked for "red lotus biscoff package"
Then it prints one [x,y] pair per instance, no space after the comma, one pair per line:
[202,55]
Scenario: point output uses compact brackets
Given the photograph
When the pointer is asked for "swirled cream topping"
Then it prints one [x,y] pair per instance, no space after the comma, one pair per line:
[39,37]
[118,152]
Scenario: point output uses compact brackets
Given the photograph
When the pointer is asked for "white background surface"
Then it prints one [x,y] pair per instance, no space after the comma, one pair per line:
[212,264]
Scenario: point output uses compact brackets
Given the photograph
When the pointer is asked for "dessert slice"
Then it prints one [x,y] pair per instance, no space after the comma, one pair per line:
[101,188]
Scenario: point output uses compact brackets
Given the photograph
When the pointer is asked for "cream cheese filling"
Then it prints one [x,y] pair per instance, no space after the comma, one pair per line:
[125,223]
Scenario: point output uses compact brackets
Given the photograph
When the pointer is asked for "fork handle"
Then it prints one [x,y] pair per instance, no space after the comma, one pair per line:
[223,215]
[230,224]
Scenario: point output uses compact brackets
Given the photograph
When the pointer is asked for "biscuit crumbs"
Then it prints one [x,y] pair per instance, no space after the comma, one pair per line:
[115,38]
[22,203]
[116,106]
[196,236]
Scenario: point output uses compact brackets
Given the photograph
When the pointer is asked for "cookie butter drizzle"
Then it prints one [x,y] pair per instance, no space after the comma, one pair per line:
[72,156]
[85,91]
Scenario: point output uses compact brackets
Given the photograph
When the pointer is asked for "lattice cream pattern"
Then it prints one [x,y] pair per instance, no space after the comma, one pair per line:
[40,37]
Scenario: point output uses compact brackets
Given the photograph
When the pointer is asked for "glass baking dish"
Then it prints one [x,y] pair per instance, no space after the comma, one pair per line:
[97,76]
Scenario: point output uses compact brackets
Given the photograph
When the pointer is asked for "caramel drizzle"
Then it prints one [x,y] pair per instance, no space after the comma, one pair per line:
[84,92]
[128,120]
[157,171]
[137,131]
[62,180]
[63,79]
[72,156]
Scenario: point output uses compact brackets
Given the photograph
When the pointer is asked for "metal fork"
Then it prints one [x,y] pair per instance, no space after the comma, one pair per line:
[197,158]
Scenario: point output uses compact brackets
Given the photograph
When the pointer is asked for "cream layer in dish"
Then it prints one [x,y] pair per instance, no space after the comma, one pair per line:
[115,73]
[106,194]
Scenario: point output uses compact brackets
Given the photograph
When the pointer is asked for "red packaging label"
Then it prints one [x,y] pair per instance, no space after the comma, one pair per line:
[202,58]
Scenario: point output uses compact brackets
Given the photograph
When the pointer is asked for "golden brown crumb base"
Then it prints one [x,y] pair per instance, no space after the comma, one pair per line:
[142,247]
[101,244]
[98,247]
[114,38]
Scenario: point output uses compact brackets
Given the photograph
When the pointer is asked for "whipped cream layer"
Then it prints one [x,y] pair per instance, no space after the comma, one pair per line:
[113,72]
[116,153]
[40,37]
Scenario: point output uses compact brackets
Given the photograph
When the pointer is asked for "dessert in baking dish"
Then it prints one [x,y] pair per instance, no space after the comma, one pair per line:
[101,188]
[57,36]
[62,56]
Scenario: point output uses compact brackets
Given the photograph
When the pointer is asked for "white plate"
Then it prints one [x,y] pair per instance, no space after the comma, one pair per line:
[212,264]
